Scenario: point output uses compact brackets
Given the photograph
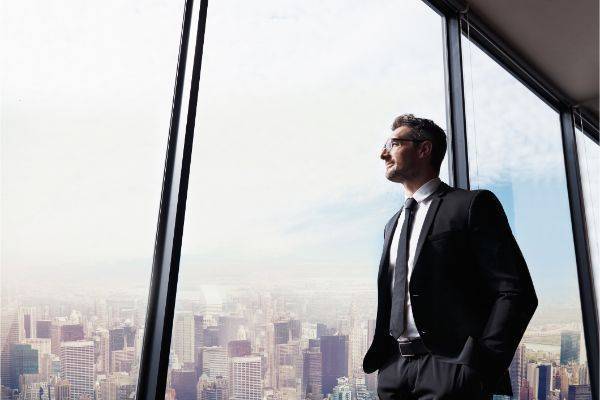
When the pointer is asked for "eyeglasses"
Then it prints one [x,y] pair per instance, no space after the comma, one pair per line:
[391,142]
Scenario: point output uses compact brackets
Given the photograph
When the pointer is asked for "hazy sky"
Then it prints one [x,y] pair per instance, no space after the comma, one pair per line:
[296,99]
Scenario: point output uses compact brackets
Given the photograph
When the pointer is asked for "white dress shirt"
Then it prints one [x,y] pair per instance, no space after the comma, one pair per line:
[423,199]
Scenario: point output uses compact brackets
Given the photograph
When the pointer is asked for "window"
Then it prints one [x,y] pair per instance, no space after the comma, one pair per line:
[287,197]
[589,165]
[86,102]
[515,150]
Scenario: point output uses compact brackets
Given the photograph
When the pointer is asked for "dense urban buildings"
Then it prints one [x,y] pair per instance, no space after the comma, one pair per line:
[281,343]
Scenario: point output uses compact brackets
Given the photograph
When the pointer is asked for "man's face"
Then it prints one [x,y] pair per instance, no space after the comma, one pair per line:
[402,161]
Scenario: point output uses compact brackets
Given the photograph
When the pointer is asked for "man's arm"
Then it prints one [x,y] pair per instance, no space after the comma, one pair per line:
[503,272]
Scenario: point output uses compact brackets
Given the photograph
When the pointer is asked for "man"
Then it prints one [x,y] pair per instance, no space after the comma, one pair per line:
[454,292]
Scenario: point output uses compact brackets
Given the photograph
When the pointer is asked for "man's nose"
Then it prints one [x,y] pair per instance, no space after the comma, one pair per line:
[384,154]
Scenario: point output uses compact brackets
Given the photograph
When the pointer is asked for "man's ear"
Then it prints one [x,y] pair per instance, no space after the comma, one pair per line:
[425,149]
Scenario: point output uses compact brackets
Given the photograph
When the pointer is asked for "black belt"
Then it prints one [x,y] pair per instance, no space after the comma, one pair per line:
[413,347]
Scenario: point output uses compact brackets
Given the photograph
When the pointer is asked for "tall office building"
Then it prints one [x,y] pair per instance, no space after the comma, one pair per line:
[281,332]
[62,390]
[9,336]
[288,364]
[42,328]
[71,332]
[102,348]
[122,360]
[321,330]
[295,329]
[342,391]
[362,392]
[334,351]
[118,386]
[183,336]
[184,382]
[43,348]
[24,360]
[77,367]
[215,361]
[27,322]
[245,378]
[544,381]
[311,374]
[579,392]
[569,347]
[239,348]
[62,331]
[198,332]
[116,339]
[211,336]
[517,369]
[212,389]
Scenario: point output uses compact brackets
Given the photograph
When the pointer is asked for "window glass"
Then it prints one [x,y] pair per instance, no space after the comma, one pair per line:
[515,150]
[288,198]
[86,102]
[588,153]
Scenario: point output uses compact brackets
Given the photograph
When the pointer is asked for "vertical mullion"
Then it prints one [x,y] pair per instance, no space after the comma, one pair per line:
[455,103]
[167,248]
[582,255]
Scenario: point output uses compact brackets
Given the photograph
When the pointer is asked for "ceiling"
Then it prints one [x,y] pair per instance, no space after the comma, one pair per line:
[558,38]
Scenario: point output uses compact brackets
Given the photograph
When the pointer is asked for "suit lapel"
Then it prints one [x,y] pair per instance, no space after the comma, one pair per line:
[429,218]
[389,233]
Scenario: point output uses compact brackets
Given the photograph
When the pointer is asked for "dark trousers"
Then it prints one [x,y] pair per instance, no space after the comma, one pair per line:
[425,377]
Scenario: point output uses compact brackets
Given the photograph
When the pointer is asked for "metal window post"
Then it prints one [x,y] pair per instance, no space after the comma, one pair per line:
[455,103]
[582,255]
[167,248]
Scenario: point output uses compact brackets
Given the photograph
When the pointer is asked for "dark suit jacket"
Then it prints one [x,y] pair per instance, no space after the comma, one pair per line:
[470,290]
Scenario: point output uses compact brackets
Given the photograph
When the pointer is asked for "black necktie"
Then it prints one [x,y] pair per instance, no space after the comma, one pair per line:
[397,317]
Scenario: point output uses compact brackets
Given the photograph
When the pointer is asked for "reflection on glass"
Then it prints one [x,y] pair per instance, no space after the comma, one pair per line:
[515,150]
[588,153]
[86,101]
[288,197]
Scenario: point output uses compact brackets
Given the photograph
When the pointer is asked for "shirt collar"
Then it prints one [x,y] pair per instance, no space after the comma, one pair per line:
[426,190]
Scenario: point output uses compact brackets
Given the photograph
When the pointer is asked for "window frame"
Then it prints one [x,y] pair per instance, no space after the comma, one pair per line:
[456,19]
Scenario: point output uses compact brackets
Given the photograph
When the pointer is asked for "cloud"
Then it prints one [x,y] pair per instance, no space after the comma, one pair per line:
[513,136]
[295,103]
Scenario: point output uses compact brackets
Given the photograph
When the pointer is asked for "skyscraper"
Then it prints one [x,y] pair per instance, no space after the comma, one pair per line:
[24,360]
[245,378]
[311,373]
[27,322]
[334,351]
[544,381]
[116,339]
[198,332]
[215,362]
[239,348]
[42,328]
[183,336]
[295,329]
[212,389]
[9,336]
[342,391]
[71,332]
[62,390]
[569,347]
[517,369]
[184,383]
[282,332]
[77,367]
[579,392]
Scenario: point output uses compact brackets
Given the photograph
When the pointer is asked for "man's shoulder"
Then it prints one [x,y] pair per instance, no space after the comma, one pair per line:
[466,195]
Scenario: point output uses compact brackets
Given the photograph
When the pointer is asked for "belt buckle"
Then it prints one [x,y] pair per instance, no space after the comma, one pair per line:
[400,345]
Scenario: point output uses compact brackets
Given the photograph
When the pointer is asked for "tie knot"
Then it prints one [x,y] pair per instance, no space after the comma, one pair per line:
[410,203]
